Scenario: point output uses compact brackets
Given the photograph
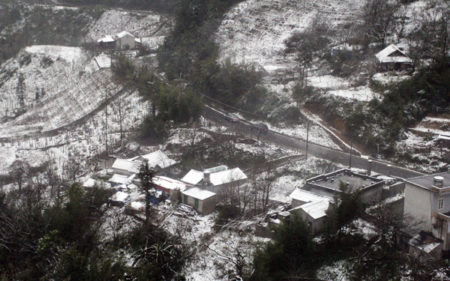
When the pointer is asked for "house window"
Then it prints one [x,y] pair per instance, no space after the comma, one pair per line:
[440,204]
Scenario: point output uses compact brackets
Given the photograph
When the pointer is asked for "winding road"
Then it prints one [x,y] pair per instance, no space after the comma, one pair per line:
[246,128]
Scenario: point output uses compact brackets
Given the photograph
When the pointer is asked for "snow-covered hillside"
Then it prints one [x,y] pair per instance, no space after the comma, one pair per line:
[52,98]
[56,89]
[150,27]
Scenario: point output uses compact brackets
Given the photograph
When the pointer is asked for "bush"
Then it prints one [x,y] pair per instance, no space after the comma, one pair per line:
[290,253]
[226,213]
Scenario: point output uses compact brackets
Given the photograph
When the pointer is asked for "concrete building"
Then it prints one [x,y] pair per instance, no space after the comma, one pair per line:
[314,213]
[300,197]
[203,201]
[427,202]
[329,185]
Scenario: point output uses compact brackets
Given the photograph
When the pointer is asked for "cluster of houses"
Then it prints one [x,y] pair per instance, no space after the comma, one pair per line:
[199,189]
[423,201]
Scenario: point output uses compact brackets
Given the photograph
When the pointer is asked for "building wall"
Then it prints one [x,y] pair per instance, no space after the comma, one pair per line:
[393,190]
[122,172]
[204,206]
[125,41]
[316,225]
[418,206]
[208,205]
[373,194]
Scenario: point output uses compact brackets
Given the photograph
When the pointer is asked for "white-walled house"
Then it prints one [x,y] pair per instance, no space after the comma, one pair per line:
[122,40]
[203,201]
[427,202]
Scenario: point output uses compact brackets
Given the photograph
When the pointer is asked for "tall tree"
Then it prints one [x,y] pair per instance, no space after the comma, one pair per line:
[146,176]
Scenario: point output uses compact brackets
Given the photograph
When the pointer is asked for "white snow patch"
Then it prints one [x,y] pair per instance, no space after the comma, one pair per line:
[363,93]
[69,54]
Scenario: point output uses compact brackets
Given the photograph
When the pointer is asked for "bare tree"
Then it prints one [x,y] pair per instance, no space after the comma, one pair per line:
[20,172]
[432,37]
[379,19]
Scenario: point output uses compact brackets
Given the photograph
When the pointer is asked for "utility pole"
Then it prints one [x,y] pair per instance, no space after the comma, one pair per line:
[350,156]
[307,138]
[106,122]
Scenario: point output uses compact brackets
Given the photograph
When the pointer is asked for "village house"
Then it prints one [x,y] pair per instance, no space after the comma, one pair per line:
[118,180]
[159,162]
[171,188]
[216,179]
[314,214]
[311,208]
[393,58]
[427,202]
[332,184]
[121,41]
[300,197]
[125,167]
[203,201]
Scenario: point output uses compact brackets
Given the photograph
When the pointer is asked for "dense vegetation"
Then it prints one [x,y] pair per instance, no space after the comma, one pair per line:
[41,26]
[55,234]
[158,5]
[190,53]
[170,102]
[293,254]
[403,105]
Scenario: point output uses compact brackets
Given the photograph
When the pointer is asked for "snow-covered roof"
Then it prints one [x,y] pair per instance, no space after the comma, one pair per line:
[90,182]
[316,210]
[158,158]
[123,34]
[227,176]
[106,39]
[193,177]
[126,165]
[305,196]
[120,196]
[392,54]
[217,178]
[169,183]
[103,61]
[198,193]
[430,247]
[138,206]
[119,179]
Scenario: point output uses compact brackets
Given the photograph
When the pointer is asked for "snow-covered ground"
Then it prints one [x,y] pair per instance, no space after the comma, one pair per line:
[254,32]
[149,26]
[56,90]
[316,134]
